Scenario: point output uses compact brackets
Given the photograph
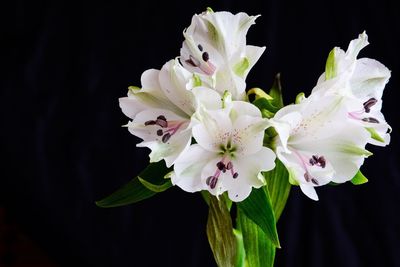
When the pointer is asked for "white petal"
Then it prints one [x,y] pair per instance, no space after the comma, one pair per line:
[188,169]
[174,78]
[309,191]
[169,151]
[253,53]
[207,97]
[249,169]
[150,84]
[248,134]
[131,106]
[369,78]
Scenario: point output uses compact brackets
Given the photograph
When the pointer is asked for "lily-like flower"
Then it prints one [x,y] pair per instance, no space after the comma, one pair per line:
[215,48]
[318,143]
[362,80]
[229,154]
[162,109]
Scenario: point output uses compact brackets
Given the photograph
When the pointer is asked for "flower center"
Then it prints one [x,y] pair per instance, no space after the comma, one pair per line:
[167,128]
[223,166]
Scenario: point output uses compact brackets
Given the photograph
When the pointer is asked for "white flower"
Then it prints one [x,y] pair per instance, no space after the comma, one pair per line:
[229,154]
[362,80]
[318,143]
[162,109]
[215,48]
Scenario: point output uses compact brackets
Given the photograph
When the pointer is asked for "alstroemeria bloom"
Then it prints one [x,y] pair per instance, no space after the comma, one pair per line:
[362,80]
[215,48]
[229,154]
[318,143]
[162,109]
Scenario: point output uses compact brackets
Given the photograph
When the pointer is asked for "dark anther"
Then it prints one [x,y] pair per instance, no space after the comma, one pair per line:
[307,177]
[322,161]
[313,160]
[162,117]
[162,123]
[213,182]
[166,137]
[319,161]
[149,123]
[370,119]
[160,132]
[209,179]
[369,103]
[205,56]
[220,166]
[229,165]
[200,47]
[235,175]
[314,181]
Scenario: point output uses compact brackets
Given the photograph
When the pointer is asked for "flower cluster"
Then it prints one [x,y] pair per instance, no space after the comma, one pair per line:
[195,114]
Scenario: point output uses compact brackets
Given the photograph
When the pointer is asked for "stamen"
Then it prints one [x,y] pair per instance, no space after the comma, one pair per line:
[370,119]
[205,56]
[220,165]
[160,132]
[319,161]
[200,47]
[235,175]
[307,176]
[162,117]
[313,160]
[151,122]
[229,165]
[162,123]
[369,103]
[212,181]
[166,137]
[322,161]
[314,181]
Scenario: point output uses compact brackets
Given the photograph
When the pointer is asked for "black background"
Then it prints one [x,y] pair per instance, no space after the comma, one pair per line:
[66,64]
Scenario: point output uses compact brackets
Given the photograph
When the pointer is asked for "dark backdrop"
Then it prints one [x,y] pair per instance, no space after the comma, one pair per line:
[62,146]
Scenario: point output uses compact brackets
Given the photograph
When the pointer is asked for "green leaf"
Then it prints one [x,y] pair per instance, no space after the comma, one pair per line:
[278,187]
[330,67]
[241,67]
[240,254]
[206,196]
[265,104]
[260,251]
[258,208]
[375,135]
[135,191]
[154,187]
[276,92]
[359,178]
[220,233]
